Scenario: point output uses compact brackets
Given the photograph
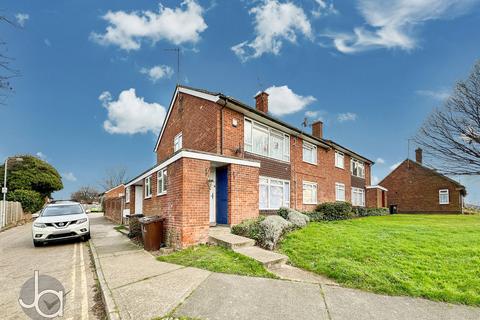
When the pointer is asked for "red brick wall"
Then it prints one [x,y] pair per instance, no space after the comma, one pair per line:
[415,189]
[242,193]
[115,192]
[376,198]
[113,203]
[232,136]
[197,119]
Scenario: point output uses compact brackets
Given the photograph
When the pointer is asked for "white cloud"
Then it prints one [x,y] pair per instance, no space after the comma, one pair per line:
[393,166]
[275,23]
[392,24]
[282,100]
[311,114]
[375,180]
[156,73]
[180,25]
[324,9]
[69,176]
[47,42]
[380,161]
[439,95]
[22,18]
[348,116]
[131,114]
[41,155]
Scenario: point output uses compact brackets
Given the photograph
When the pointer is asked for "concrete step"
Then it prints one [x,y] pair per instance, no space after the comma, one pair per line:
[267,258]
[230,241]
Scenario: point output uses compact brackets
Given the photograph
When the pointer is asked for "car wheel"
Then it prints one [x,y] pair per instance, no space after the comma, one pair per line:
[86,237]
[37,244]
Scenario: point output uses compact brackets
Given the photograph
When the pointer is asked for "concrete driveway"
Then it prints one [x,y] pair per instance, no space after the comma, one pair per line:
[67,262]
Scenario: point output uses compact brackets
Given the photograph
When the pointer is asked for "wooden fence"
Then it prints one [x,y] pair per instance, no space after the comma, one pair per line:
[14,213]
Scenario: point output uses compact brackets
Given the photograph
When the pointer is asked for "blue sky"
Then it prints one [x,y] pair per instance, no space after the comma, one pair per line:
[95,78]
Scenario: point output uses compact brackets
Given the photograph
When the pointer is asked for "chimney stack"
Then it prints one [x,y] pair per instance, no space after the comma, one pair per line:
[317,129]
[419,155]
[261,101]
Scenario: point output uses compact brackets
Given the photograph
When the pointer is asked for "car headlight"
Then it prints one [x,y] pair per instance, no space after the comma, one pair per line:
[39,225]
[81,220]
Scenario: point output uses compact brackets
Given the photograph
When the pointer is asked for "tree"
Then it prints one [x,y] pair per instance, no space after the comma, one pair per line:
[114,177]
[451,134]
[6,71]
[86,195]
[30,181]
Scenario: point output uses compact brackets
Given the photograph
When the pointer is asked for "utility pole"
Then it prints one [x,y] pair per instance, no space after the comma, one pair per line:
[177,50]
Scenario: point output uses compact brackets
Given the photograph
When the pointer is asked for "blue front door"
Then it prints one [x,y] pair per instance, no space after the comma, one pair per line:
[222,195]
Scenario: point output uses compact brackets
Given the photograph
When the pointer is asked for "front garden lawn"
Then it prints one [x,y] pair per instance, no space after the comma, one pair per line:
[431,256]
[217,259]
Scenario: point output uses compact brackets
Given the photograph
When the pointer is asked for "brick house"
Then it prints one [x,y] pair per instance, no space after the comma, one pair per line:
[414,188]
[220,161]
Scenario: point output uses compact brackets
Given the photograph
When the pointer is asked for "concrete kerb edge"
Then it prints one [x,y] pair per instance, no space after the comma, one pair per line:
[107,297]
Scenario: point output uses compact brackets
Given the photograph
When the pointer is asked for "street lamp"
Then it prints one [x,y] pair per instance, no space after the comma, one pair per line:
[4,191]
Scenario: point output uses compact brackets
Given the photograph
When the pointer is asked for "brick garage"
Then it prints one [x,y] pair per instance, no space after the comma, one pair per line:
[114,203]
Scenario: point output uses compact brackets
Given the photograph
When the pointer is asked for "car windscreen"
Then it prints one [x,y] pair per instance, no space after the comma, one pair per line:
[62,210]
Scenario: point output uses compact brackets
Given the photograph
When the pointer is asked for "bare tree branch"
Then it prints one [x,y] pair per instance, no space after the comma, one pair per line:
[114,177]
[451,134]
[86,195]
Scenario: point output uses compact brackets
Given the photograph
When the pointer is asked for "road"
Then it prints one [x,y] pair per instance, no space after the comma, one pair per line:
[67,262]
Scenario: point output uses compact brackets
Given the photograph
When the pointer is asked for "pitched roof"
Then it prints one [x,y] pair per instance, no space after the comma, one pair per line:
[323,142]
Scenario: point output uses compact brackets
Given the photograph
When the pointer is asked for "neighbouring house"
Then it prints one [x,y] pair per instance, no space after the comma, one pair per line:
[415,188]
[220,161]
[114,204]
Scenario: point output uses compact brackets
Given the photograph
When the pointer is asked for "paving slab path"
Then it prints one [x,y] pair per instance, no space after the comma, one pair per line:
[139,287]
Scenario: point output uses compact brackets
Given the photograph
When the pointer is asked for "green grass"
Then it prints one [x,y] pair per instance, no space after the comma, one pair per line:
[432,256]
[217,259]
[120,227]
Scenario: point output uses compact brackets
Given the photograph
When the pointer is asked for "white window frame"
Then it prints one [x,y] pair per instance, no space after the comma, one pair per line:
[309,147]
[251,125]
[339,187]
[161,184]
[359,166]
[314,187]
[356,192]
[442,193]
[267,181]
[178,142]
[339,163]
[148,187]
[127,194]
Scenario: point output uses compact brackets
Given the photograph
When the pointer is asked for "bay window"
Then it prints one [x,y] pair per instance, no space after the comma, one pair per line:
[273,193]
[162,182]
[309,153]
[443,196]
[358,197]
[339,160]
[339,192]
[357,168]
[309,192]
[265,141]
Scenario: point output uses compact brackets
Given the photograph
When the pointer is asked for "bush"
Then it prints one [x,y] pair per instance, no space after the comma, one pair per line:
[31,201]
[272,228]
[331,211]
[299,220]
[283,212]
[365,212]
[135,229]
[315,216]
[249,228]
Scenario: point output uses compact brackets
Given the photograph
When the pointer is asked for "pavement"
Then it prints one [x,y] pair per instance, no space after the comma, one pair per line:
[68,262]
[136,286]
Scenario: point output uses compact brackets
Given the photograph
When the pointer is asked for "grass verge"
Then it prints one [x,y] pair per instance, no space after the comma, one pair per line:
[431,256]
[217,259]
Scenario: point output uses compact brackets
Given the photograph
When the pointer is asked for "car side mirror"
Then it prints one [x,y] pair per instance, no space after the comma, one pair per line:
[35,215]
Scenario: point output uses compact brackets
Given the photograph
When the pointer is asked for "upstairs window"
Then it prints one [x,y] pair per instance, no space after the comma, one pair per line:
[309,192]
[358,197]
[443,196]
[339,192]
[265,141]
[177,142]
[127,194]
[148,187]
[162,182]
[357,168]
[339,160]
[309,153]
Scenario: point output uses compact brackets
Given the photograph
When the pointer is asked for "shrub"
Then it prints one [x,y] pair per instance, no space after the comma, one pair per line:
[283,212]
[272,228]
[335,210]
[315,216]
[135,229]
[299,220]
[249,228]
[365,212]
[31,201]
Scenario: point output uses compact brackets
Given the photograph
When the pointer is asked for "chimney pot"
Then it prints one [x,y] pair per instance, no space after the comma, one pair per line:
[419,155]
[317,129]
[261,101]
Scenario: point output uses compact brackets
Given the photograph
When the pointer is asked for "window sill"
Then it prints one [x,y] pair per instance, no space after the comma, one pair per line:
[266,157]
[149,197]
[161,194]
[311,203]
[312,163]
[343,168]
[340,200]
[358,176]
[444,204]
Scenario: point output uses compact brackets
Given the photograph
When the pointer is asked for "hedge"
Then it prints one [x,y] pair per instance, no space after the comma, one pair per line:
[31,201]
